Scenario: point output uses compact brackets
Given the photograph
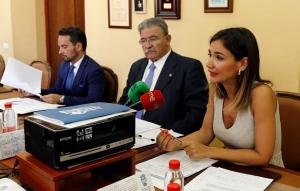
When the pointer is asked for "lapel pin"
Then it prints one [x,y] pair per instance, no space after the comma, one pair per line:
[170,75]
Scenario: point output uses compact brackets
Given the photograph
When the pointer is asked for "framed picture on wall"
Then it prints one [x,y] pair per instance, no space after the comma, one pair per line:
[167,9]
[139,6]
[119,14]
[218,6]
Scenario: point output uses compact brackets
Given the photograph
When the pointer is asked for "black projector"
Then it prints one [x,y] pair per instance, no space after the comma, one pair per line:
[63,147]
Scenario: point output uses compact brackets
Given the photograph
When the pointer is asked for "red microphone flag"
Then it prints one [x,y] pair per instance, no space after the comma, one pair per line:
[152,100]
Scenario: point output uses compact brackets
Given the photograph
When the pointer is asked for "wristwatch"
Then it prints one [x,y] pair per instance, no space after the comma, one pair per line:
[61,99]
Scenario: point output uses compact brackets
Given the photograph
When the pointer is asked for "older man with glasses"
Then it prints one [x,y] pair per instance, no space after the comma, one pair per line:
[181,80]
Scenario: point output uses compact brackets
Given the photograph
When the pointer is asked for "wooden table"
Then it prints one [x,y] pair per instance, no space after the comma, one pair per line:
[36,174]
[40,176]
[11,94]
[289,181]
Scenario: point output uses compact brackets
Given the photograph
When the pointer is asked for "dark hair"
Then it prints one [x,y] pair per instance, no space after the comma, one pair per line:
[241,43]
[156,21]
[76,35]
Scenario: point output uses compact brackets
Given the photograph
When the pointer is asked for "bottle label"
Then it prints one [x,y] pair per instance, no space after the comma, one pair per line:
[8,129]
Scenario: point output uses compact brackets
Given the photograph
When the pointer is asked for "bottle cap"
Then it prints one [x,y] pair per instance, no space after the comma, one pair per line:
[7,105]
[173,187]
[174,164]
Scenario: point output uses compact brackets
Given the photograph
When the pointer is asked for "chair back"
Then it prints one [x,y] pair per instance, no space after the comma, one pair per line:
[289,108]
[46,72]
[2,66]
[112,84]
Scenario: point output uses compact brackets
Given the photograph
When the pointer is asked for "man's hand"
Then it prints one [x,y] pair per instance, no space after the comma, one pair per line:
[51,98]
[24,93]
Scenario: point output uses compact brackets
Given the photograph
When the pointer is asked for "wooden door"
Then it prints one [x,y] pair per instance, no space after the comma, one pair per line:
[60,13]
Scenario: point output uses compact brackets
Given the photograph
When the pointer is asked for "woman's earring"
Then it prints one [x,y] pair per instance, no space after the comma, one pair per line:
[239,72]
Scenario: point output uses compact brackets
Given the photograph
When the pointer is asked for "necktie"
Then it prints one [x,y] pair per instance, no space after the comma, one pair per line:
[148,81]
[149,78]
[70,77]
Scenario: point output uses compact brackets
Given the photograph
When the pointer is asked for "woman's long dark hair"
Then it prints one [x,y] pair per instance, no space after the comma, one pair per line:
[241,43]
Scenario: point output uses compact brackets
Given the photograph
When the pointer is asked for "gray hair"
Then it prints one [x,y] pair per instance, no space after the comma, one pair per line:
[154,22]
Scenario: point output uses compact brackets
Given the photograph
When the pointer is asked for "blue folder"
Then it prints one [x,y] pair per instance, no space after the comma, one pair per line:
[82,112]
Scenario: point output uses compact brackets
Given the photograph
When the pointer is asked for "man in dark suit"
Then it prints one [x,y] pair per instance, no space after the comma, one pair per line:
[181,79]
[80,79]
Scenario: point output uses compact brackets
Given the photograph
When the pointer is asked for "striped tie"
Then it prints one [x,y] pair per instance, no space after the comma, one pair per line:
[148,81]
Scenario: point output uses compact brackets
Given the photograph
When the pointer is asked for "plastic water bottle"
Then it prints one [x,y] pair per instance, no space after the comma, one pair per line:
[9,120]
[173,187]
[174,175]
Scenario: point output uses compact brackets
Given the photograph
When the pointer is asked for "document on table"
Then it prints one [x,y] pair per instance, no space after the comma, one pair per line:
[143,126]
[7,184]
[22,76]
[146,133]
[137,182]
[158,166]
[220,179]
[84,122]
[27,105]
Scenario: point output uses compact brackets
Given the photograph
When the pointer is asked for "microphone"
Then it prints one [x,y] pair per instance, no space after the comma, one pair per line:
[136,91]
[149,101]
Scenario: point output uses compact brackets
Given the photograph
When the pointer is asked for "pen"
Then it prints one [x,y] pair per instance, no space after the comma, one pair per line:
[140,136]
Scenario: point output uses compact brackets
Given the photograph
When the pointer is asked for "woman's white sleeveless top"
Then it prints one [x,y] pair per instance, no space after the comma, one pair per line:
[241,134]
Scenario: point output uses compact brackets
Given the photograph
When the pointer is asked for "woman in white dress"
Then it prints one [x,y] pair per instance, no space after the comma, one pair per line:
[242,110]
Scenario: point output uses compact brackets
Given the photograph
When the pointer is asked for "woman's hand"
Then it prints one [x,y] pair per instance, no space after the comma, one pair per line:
[196,150]
[167,142]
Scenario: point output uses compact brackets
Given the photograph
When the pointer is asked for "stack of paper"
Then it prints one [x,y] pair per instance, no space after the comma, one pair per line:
[146,133]
[219,179]
[158,166]
[11,143]
[27,105]
[7,184]
[137,182]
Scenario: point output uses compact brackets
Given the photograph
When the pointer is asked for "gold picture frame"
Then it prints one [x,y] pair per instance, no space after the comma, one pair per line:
[218,6]
[119,14]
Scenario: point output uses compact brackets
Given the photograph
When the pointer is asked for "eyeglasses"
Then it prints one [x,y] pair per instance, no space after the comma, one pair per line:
[152,40]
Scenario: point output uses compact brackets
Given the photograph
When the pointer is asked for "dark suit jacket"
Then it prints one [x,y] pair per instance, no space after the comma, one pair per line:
[185,89]
[88,85]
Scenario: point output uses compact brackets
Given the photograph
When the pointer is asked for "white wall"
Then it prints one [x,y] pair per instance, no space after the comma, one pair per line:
[6,36]
[23,28]
[275,24]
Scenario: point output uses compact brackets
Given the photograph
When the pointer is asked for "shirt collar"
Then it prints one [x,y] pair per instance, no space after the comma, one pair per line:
[160,62]
[77,64]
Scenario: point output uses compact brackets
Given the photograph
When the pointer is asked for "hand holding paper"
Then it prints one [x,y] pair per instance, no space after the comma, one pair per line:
[21,76]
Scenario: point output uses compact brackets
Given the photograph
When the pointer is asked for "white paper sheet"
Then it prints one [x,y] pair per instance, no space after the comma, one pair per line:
[146,133]
[7,184]
[143,126]
[137,182]
[219,179]
[22,76]
[27,105]
[158,166]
